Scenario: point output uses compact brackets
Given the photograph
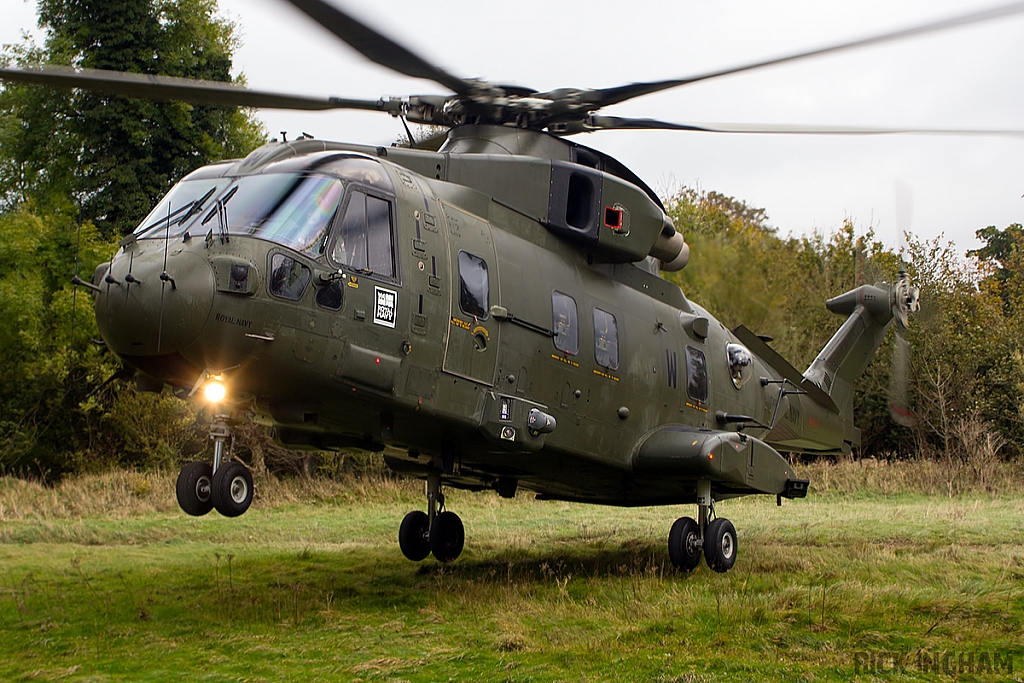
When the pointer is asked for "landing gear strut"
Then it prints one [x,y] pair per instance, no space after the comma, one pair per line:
[226,486]
[715,536]
[436,531]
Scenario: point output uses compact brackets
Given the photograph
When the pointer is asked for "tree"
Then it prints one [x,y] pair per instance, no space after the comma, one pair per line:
[1002,258]
[109,158]
[48,363]
[78,170]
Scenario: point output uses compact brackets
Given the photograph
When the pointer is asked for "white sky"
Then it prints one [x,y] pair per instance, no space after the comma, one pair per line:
[968,77]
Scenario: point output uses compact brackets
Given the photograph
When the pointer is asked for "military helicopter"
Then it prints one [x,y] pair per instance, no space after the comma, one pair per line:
[487,313]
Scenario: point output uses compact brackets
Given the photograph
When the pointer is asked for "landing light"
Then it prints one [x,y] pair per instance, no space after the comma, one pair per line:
[214,390]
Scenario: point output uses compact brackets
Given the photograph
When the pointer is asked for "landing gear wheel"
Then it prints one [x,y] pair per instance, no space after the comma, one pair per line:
[232,489]
[720,545]
[193,488]
[684,544]
[414,536]
[447,536]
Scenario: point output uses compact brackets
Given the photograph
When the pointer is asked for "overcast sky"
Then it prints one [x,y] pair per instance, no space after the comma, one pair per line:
[967,77]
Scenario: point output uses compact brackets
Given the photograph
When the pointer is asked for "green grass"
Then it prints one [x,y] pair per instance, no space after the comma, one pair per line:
[314,588]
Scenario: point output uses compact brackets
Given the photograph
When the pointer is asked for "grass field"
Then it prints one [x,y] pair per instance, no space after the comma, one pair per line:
[104,580]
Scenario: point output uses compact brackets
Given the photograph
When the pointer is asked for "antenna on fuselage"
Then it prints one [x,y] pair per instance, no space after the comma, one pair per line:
[164,279]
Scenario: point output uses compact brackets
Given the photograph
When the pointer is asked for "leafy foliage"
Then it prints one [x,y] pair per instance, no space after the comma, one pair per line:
[110,157]
[45,328]
[78,170]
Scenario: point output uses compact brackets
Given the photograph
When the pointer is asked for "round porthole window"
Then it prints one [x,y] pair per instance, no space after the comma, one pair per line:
[741,364]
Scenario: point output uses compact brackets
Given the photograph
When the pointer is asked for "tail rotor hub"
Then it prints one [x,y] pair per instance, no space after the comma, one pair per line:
[906,299]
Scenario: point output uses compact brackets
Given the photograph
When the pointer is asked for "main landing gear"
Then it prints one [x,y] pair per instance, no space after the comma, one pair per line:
[226,485]
[436,531]
[715,537]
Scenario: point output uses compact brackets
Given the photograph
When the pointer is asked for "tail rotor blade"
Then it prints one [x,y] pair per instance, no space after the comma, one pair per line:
[898,405]
[905,302]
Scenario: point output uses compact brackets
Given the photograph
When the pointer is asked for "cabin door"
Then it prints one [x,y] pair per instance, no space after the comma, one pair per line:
[472,348]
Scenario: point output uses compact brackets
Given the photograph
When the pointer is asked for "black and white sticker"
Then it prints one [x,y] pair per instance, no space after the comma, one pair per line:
[385,306]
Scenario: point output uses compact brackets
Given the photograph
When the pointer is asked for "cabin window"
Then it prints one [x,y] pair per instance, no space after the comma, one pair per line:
[365,240]
[474,289]
[565,323]
[696,375]
[288,277]
[606,339]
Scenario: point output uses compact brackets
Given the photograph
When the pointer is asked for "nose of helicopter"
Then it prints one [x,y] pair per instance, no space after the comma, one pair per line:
[144,318]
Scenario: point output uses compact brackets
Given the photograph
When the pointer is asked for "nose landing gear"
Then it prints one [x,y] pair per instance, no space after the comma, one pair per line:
[436,531]
[716,537]
[226,485]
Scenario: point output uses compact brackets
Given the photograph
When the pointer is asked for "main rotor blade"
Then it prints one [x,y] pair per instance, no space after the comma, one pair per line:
[152,87]
[378,48]
[620,123]
[607,96]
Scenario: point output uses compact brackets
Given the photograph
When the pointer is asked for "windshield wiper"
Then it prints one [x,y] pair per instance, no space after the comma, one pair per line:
[220,209]
[220,204]
[163,221]
[197,206]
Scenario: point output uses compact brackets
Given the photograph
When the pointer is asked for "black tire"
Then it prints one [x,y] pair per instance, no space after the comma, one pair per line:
[720,545]
[447,536]
[413,536]
[194,488]
[232,489]
[684,544]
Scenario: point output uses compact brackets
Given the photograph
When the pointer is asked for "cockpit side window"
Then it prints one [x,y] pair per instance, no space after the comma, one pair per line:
[350,247]
[379,255]
[365,239]
[288,277]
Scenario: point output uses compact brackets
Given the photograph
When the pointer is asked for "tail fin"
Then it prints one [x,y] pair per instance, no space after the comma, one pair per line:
[847,354]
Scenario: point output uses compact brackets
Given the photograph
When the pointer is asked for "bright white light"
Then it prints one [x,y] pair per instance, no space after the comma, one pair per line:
[214,391]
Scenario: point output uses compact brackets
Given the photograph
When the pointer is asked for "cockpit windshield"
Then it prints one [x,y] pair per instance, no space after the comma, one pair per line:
[292,209]
[179,207]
